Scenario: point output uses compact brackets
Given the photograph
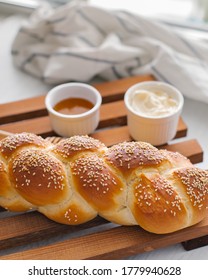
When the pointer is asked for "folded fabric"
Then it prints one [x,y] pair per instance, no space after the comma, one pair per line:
[77,42]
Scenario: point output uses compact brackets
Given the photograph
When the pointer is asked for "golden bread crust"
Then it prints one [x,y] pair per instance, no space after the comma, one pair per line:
[131,183]
[94,180]
[72,146]
[10,145]
[156,205]
[128,156]
[39,177]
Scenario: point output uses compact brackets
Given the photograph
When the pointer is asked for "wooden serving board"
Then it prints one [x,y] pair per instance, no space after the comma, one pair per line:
[97,239]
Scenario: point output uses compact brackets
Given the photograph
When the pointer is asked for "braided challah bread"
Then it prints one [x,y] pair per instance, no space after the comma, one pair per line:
[132,183]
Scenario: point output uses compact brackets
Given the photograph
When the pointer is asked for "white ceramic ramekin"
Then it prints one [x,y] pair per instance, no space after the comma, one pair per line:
[80,124]
[156,130]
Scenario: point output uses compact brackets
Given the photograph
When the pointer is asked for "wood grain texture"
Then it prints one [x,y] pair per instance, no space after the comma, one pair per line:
[33,227]
[115,243]
[111,114]
[35,107]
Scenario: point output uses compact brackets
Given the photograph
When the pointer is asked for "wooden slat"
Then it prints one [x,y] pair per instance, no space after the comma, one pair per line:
[109,137]
[114,90]
[115,243]
[28,228]
[40,126]
[23,109]
[189,148]
[35,107]
[111,114]
[181,129]
[195,243]
[114,135]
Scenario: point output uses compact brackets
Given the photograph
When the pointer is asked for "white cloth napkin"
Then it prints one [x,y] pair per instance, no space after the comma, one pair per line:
[77,42]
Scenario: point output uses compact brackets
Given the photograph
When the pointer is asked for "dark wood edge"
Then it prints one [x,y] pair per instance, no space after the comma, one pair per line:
[195,243]
[53,230]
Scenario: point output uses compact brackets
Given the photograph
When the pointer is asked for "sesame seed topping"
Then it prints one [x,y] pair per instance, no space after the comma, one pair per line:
[37,168]
[11,143]
[92,172]
[155,193]
[130,155]
[196,183]
[70,146]
[70,216]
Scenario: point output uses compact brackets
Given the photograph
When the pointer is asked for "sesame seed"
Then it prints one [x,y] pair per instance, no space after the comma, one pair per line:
[48,170]
[196,182]
[70,146]
[70,216]
[130,155]
[94,171]
[11,143]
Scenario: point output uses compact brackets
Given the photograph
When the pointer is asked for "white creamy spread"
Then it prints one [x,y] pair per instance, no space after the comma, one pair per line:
[153,104]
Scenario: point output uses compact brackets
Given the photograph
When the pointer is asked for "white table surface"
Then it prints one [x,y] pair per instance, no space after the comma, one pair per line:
[16,85]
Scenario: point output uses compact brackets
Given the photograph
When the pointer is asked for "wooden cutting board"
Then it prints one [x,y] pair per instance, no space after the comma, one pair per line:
[97,239]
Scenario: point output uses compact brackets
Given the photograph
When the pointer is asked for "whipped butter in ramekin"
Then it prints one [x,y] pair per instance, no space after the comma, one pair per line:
[153,110]
[153,103]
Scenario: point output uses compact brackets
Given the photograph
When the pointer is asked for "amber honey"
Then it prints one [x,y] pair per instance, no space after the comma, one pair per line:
[73,106]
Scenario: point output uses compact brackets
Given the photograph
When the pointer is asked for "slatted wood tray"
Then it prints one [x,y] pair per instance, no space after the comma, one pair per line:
[33,236]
